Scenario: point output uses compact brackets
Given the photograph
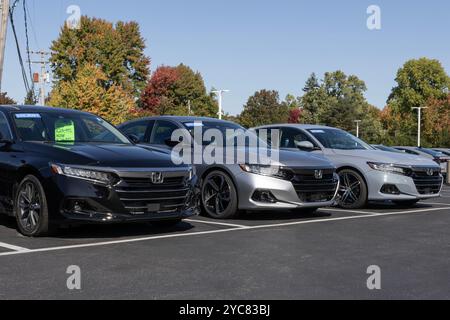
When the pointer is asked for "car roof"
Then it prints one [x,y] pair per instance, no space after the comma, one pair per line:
[178,119]
[31,109]
[298,126]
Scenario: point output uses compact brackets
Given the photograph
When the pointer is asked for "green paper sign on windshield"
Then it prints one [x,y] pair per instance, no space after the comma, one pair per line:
[64,131]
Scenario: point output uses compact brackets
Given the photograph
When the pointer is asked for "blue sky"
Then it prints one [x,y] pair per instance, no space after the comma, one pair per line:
[249,45]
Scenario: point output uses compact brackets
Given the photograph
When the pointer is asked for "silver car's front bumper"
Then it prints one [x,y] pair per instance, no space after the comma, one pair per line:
[282,190]
[406,185]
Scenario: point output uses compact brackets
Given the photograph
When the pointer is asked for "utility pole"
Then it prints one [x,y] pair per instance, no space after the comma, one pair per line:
[4,15]
[43,77]
[220,93]
[357,127]
[419,129]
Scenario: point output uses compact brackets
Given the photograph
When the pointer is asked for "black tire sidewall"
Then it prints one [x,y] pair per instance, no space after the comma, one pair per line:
[362,201]
[232,209]
[43,227]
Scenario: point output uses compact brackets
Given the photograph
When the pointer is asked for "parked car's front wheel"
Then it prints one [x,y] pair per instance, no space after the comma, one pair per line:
[30,207]
[219,196]
[353,191]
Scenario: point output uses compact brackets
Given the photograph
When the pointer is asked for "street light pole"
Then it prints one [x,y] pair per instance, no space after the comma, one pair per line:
[357,127]
[4,13]
[219,94]
[419,129]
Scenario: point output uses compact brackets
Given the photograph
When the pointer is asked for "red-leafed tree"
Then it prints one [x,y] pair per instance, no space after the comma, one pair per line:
[295,115]
[160,84]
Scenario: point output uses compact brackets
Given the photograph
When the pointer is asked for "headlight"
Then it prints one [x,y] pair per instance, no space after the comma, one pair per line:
[387,167]
[81,173]
[269,171]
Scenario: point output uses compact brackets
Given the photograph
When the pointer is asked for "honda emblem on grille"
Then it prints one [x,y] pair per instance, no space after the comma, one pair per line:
[318,174]
[157,178]
[430,172]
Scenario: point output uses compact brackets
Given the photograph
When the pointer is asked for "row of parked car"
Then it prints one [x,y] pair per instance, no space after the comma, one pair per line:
[60,166]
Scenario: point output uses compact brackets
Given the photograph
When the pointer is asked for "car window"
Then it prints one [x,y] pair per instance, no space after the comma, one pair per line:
[411,152]
[290,138]
[162,132]
[138,129]
[4,128]
[67,128]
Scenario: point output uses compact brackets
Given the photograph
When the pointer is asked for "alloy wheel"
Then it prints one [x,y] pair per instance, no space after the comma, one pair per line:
[29,207]
[350,190]
[216,195]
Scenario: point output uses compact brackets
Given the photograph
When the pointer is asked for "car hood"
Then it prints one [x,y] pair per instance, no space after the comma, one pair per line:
[104,155]
[296,159]
[385,157]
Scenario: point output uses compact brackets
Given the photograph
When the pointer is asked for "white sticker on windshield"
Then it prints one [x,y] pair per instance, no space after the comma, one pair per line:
[28,116]
[196,124]
[317,131]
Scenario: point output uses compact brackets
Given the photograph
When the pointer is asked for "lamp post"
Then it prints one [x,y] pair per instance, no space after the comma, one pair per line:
[357,127]
[219,94]
[419,127]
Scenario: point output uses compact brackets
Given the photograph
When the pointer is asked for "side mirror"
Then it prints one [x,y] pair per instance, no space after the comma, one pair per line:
[171,143]
[134,138]
[305,145]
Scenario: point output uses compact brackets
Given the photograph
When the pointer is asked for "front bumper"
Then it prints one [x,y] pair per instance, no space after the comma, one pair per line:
[133,199]
[405,185]
[283,191]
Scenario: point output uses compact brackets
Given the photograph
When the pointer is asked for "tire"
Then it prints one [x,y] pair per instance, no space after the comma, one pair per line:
[166,223]
[353,192]
[219,196]
[406,203]
[31,209]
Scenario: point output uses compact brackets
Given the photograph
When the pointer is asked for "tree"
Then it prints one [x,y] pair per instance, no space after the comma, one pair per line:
[437,123]
[5,100]
[264,107]
[171,89]
[30,98]
[117,49]
[87,93]
[418,81]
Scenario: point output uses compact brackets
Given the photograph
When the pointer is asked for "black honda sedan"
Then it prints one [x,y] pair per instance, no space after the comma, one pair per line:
[61,166]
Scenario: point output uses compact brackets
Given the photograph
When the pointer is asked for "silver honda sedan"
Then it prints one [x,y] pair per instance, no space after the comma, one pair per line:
[294,181]
[366,174]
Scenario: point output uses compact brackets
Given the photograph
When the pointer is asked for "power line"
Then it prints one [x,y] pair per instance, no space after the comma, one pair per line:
[27,42]
[13,27]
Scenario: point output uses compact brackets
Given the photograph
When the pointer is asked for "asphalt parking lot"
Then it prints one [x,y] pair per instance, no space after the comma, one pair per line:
[271,255]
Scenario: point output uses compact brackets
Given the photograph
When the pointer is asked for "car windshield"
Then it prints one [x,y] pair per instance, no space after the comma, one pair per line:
[231,132]
[66,128]
[432,152]
[338,139]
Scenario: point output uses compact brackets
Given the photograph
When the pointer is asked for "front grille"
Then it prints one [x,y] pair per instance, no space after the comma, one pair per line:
[311,189]
[141,196]
[427,184]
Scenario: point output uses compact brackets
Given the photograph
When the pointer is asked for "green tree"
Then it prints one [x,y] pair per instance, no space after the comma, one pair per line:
[87,93]
[418,81]
[264,107]
[117,49]
[30,98]
[5,100]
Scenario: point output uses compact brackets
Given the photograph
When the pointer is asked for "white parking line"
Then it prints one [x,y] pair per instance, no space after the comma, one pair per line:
[12,247]
[217,223]
[268,226]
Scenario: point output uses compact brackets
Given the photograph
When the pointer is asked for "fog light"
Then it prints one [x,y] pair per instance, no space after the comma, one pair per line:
[390,189]
[264,196]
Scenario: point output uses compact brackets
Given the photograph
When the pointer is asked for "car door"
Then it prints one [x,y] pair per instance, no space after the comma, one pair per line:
[8,159]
